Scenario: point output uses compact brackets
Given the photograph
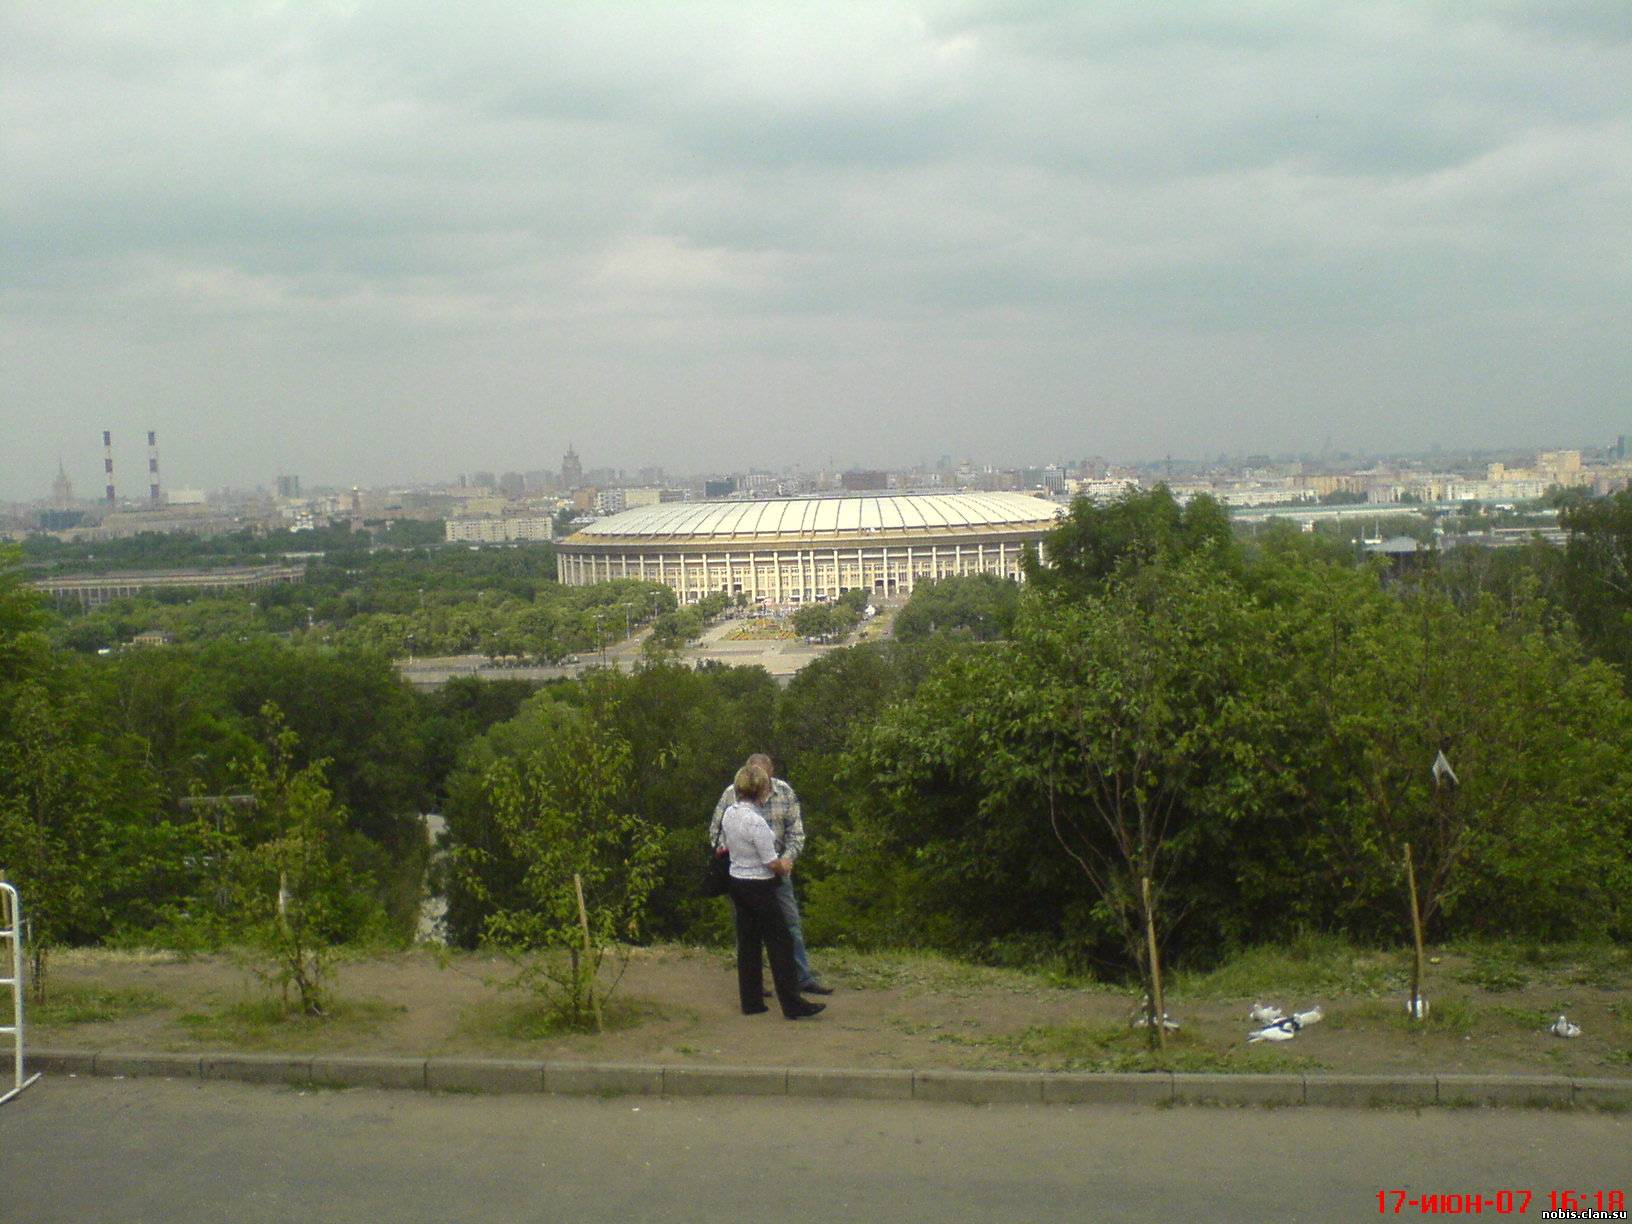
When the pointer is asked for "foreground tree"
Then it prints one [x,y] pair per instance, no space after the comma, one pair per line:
[290,892]
[587,865]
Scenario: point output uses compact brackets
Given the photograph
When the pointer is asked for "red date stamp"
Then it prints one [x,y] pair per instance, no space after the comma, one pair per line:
[1548,1205]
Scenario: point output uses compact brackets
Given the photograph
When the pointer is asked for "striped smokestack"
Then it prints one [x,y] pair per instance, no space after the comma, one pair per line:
[153,467]
[107,463]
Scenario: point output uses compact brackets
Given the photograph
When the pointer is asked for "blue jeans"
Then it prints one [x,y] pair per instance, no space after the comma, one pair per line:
[790,912]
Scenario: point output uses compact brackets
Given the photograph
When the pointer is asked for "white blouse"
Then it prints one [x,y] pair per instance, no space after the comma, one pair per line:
[748,837]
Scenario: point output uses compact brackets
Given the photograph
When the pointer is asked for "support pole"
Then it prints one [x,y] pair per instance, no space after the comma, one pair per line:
[1416,935]
[589,960]
[1159,1008]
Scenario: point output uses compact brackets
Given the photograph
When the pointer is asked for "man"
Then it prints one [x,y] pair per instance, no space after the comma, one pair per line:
[788,828]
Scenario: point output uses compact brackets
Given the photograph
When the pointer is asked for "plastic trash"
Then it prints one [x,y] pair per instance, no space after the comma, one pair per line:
[1563,1028]
[1265,1013]
[1305,1018]
[1417,1008]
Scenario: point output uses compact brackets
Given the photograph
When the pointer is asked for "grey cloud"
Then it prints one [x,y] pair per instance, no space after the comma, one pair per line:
[564,197]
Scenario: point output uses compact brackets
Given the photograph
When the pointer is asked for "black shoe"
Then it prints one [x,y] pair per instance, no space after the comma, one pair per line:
[755,1011]
[805,1009]
[815,988]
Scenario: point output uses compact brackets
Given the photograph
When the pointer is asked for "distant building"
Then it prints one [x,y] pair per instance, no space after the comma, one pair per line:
[513,529]
[288,487]
[572,471]
[62,489]
[93,589]
[609,501]
[864,482]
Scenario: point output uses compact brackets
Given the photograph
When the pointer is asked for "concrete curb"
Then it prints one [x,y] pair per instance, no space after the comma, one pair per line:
[483,1075]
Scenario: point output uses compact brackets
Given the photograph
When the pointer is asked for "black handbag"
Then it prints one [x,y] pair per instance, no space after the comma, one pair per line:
[717,875]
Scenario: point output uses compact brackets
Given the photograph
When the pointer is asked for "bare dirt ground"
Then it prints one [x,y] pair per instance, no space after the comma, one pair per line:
[1490,1009]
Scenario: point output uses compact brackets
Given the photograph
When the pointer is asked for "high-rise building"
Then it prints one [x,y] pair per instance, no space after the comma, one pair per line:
[572,471]
[62,489]
[288,487]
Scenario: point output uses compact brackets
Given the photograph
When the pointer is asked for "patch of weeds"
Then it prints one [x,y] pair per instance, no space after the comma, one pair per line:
[1513,965]
[931,971]
[1115,1047]
[1311,964]
[1493,975]
[266,1024]
[1449,1015]
[533,1021]
[133,954]
[67,1005]
[1522,1018]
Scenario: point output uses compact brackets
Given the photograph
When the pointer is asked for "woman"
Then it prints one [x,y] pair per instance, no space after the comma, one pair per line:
[754,871]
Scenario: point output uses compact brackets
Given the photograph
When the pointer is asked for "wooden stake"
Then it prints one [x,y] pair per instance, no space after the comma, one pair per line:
[589,960]
[1416,935]
[1159,1019]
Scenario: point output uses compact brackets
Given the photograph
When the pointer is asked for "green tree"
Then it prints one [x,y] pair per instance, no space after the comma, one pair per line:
[293,894]
[1093,541]
[587,864]
[981,606]
[1598,574]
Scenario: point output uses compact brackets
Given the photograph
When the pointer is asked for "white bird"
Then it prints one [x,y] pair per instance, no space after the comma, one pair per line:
[1563,1028]
[1281,1030]
[1265,1013]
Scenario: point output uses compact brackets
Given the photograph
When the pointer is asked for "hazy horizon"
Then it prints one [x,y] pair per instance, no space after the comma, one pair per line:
[388,242]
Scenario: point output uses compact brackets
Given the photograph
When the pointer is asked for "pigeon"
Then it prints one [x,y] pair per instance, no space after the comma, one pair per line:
[1281,1030]
[1265,1013]
[1284,1028]
[1563,1028]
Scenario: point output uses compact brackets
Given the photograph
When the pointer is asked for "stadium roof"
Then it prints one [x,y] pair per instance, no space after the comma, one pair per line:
[825,516]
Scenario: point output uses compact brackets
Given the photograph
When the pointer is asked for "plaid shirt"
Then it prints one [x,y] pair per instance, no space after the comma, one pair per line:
[781,812]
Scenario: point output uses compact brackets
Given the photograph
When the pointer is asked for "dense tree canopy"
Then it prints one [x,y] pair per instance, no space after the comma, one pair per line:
[1247,722]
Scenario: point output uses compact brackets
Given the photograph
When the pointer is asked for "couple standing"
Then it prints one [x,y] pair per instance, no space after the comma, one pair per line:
[758,823]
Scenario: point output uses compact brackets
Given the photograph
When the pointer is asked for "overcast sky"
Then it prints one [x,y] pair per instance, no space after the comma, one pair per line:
[375,242]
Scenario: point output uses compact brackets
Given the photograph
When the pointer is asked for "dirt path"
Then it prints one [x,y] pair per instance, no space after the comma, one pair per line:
[890,1010]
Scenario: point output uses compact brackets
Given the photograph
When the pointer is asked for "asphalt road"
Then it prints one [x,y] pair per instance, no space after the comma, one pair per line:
[87,1150]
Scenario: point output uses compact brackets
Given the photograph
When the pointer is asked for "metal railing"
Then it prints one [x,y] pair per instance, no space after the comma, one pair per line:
[11,956]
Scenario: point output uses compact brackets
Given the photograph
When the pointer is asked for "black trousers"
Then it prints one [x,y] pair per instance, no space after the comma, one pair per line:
[760,924]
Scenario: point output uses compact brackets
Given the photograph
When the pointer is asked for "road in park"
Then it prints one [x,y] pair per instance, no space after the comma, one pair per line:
[87,1150]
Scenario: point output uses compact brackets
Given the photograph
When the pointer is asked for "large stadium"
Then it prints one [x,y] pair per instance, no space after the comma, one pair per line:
[808,549]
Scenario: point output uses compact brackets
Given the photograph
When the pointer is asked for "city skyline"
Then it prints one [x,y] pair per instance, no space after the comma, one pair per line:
[383,243]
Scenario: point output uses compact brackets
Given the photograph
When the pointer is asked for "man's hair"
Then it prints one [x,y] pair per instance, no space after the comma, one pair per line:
[763,761]
[753,783]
